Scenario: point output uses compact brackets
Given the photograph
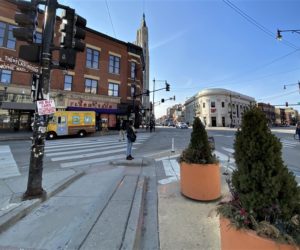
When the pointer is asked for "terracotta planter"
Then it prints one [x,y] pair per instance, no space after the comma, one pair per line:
[200,181]
[233,239]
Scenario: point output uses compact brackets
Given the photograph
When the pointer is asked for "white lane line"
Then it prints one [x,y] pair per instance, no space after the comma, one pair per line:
[8,166]
[86,149]
[63,158]
[91,161]
[172,171]
[230,150]
[167,157]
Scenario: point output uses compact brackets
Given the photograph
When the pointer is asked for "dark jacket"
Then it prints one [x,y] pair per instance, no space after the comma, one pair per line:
[130,132]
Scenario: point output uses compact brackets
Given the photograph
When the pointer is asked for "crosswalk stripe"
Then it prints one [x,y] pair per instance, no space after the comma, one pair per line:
[63,158]
[86,149]
[91,161]
[93,146]
[230,150]
[167,157]
[10,168]
[49,148]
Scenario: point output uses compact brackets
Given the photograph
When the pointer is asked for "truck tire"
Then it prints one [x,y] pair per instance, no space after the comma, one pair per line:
[51,135]
[82,133]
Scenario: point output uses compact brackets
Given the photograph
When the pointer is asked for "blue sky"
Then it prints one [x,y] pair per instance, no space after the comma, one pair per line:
[202,44]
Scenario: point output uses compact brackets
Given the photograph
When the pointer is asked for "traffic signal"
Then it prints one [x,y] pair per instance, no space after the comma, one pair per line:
[73,30]
[67,58]
[163,100]
[286,104]
[174,98]
[167,86]
[27,21]
[147,93]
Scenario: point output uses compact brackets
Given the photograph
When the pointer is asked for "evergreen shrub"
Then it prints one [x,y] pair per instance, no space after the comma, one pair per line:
[199,150]
[265,195]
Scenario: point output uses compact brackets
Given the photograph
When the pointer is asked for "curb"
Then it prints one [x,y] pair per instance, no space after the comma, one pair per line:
[138,162]
[133,233]
[27,206]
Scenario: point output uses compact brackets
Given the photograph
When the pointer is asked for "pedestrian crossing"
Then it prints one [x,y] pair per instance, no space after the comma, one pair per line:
[8,166]
[86,151]
[286,143]
[225,156]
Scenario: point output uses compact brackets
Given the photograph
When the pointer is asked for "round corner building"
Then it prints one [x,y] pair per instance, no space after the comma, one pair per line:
[218,107]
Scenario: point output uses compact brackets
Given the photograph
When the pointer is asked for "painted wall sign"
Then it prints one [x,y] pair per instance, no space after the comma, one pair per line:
[17,64]
[92,104]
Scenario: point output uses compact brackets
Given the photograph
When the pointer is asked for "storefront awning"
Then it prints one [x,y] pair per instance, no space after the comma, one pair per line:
[18,106]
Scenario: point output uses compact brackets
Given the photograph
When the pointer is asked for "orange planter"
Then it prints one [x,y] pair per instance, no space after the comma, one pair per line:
[200,181]
[233,239]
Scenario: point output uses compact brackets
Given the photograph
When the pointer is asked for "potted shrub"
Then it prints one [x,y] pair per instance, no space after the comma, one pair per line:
[199,171]
[264,207]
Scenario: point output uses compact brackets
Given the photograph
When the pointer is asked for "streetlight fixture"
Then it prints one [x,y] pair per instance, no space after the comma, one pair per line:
[279,36]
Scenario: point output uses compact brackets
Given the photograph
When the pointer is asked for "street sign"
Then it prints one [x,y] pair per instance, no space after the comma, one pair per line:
[46,107]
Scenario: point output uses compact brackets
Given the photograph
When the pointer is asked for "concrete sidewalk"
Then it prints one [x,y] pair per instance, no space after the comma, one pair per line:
[186,223]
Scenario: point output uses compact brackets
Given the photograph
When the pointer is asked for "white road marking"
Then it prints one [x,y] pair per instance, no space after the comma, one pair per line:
[167,157]
[63,158]
[230,150]
[90,148]
[8,166]
[172,171]
[91,161]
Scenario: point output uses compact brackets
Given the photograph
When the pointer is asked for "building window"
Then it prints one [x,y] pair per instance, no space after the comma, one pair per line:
[114,64]
[91,86]
[113,89]
[133,68]
[5,76]
[68,82]
[92,58]
[203,105]
[223,104]
[7,39]
[213,104]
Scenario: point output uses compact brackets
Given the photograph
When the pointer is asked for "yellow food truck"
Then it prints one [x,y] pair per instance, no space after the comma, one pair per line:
[71,123]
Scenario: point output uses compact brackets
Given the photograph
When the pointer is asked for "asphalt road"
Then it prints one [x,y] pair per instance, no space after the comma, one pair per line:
[83,152]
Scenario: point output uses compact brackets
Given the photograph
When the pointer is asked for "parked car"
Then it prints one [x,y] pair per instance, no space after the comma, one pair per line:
[171,124]
[181,125]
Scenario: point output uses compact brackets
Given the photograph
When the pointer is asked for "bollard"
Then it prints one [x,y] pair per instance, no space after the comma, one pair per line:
[172,150]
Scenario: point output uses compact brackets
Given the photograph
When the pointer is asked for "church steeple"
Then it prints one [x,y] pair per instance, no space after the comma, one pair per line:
[144,21]
[142,41]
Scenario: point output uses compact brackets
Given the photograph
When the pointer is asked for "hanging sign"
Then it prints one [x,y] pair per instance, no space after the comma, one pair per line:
[46,107]
[16,64]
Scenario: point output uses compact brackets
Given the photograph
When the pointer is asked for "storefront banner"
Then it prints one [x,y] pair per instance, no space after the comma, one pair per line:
[46,107]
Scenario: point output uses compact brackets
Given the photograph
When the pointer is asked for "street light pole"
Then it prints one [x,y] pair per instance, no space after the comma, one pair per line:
[153,99]
[230,111]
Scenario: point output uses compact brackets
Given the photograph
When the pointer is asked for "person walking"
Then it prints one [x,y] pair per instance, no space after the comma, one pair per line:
[131,137]
[298,131]
[122,128]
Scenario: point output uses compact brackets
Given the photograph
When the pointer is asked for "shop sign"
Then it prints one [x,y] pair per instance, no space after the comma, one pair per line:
[17,64]
[46,107]
[92,104]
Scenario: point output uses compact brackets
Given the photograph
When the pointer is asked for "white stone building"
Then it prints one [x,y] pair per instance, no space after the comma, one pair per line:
[217,107]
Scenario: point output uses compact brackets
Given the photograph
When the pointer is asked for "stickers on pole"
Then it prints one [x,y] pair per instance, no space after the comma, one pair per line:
[46,107]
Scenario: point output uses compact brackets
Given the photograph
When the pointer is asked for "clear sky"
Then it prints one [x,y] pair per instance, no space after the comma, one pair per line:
[202,44]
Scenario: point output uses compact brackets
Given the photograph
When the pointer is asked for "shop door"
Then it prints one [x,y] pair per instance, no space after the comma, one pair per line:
[62,128]
[223,121]
[214,122]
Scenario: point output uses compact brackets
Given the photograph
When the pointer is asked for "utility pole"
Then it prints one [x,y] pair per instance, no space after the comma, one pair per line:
[34,184]
[27,21]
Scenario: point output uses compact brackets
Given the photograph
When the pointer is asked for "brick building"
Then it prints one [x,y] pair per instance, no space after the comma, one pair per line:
[269,111]
[101,81]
